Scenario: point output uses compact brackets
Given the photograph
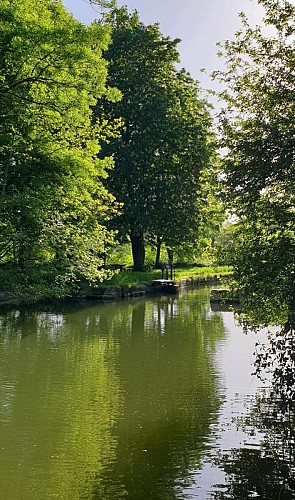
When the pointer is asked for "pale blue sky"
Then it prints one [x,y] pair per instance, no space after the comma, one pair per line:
[199,24]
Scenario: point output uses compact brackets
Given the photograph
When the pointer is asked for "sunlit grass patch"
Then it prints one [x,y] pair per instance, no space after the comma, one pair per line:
[131,278]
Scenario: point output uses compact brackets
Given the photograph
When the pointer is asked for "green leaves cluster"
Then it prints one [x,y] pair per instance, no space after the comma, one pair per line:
[93,119]
[257,127]
[53,205]
[166,140]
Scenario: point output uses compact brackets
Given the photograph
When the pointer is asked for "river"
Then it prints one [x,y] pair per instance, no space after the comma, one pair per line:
[147,399]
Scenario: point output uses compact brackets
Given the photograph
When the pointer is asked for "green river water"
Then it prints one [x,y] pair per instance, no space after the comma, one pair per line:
[137,400]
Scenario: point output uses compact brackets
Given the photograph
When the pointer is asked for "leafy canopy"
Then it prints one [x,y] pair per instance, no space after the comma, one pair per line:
[166,138]
[53,205]
[257,126]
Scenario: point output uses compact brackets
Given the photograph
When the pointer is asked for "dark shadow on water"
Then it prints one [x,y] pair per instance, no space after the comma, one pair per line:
[266,472]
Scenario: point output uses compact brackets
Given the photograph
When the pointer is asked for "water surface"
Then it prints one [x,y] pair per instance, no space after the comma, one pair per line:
[137,399]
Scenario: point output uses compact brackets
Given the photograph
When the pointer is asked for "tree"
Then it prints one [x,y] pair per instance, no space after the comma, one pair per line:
[257,127]
[182,166]
[165,139]
[53,205]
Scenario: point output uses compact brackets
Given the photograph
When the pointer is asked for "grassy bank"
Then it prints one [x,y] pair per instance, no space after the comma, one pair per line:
[43,284]
[131,278]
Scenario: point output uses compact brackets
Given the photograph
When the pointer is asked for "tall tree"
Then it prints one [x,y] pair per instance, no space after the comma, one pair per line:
[185,153]
[259,174]
[164,144]
[53,205]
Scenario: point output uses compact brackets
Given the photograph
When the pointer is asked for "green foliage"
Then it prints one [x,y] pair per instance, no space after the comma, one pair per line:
[53,205]
[258,134]
[212,215]
[225,245]
[264,269]
[166,139]
[180,167]
[38,283]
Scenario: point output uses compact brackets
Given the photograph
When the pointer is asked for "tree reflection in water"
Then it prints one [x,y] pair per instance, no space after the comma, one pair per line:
[107,401]
[267,472]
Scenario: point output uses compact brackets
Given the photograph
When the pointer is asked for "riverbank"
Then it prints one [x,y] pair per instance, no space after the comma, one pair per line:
[114,293]
[124,285]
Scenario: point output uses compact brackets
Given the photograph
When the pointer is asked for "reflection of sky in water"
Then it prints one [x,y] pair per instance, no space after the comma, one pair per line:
[53,323]
[238,386]
[160,314]
[138,395]
[159,319]
[7,392]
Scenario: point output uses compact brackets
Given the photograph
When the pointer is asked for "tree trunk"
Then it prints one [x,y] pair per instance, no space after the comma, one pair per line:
[138,251]
[170,255]
[158,253]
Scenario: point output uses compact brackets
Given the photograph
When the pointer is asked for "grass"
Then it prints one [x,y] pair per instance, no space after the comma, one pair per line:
[131,278]
[202,272]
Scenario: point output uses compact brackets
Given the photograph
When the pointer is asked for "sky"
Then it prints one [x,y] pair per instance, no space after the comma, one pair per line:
[200,24]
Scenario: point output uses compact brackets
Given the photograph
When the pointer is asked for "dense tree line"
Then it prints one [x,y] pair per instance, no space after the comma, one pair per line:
[102,137]
[53,204]
[166,139]
[99,133]
[257,126]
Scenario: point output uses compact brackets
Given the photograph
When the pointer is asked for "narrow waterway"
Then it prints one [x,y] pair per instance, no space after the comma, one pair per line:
[146,399]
